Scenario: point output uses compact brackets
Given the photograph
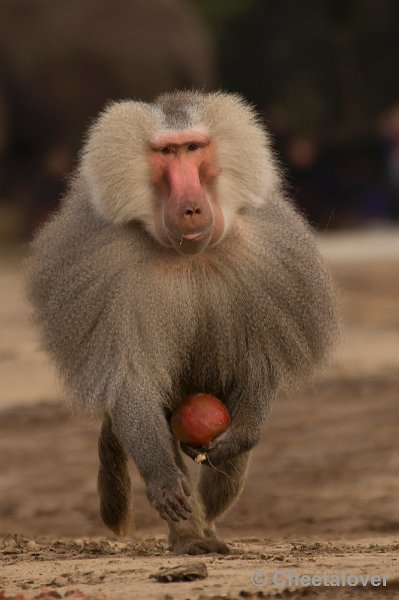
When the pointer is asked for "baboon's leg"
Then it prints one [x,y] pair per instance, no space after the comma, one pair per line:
[192,535]
[219,488]
[114,486]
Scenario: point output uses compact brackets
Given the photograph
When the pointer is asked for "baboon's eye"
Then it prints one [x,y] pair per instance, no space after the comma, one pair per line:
[166,150]
[192,147]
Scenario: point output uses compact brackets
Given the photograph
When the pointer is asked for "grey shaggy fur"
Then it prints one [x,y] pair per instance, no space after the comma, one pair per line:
[134,327]
[115,308]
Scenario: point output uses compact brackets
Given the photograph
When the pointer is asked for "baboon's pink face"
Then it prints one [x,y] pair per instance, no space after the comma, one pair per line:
[183,173]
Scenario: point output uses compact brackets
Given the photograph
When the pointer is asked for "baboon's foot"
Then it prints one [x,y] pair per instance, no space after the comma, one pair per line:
[200,546]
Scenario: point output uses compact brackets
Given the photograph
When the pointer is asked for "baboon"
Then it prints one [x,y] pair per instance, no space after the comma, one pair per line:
[177,265]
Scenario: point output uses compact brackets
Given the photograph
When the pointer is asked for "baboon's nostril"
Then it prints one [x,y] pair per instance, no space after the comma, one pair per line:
[192,211]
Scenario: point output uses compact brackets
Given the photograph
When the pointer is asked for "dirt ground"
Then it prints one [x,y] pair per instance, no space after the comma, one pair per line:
[322,494]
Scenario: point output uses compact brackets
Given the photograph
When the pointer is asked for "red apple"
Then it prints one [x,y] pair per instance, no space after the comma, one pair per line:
[199,419]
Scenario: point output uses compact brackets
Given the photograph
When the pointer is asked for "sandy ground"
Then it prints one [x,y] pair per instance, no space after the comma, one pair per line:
[322,494]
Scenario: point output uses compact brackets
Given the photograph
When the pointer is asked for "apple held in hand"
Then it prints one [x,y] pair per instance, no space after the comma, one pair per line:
[199,419]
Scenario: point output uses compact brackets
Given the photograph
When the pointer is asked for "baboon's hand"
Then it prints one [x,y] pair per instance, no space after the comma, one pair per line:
[225,446]
[192,451]
[168,495]
[216,452]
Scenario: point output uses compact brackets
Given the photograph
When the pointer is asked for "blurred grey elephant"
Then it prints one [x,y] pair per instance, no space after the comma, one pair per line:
[62,60]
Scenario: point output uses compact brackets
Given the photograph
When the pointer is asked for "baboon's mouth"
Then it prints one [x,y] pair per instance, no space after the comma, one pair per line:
[195,237]
[191,242]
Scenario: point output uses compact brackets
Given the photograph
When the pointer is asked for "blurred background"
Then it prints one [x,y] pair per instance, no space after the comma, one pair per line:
[323,74]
